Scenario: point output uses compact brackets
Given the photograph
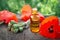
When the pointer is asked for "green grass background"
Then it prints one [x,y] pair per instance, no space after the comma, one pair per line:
[46,7]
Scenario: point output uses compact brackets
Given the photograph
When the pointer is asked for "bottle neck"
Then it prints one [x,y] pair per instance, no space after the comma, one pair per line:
[34,13]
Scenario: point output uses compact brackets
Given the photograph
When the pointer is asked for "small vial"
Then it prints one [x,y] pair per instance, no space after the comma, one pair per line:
[34,21]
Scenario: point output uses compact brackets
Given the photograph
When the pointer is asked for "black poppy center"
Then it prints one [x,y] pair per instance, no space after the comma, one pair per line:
[51,29]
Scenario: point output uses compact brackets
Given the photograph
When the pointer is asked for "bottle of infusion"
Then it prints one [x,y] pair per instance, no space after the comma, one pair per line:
[34,21]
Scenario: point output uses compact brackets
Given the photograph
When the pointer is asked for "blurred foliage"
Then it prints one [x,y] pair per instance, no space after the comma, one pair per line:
[11,5]
[58,9]
[46,7]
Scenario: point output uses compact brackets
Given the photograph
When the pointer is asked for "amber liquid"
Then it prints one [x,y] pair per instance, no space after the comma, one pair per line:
[34,23]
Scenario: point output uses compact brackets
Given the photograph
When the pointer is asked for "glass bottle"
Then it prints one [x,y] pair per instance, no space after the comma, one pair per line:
[34,21]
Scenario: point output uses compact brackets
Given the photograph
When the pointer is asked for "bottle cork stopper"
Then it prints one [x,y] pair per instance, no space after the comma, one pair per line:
[34,11]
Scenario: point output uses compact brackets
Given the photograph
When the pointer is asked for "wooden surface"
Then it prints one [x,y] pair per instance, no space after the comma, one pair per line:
[25,35]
